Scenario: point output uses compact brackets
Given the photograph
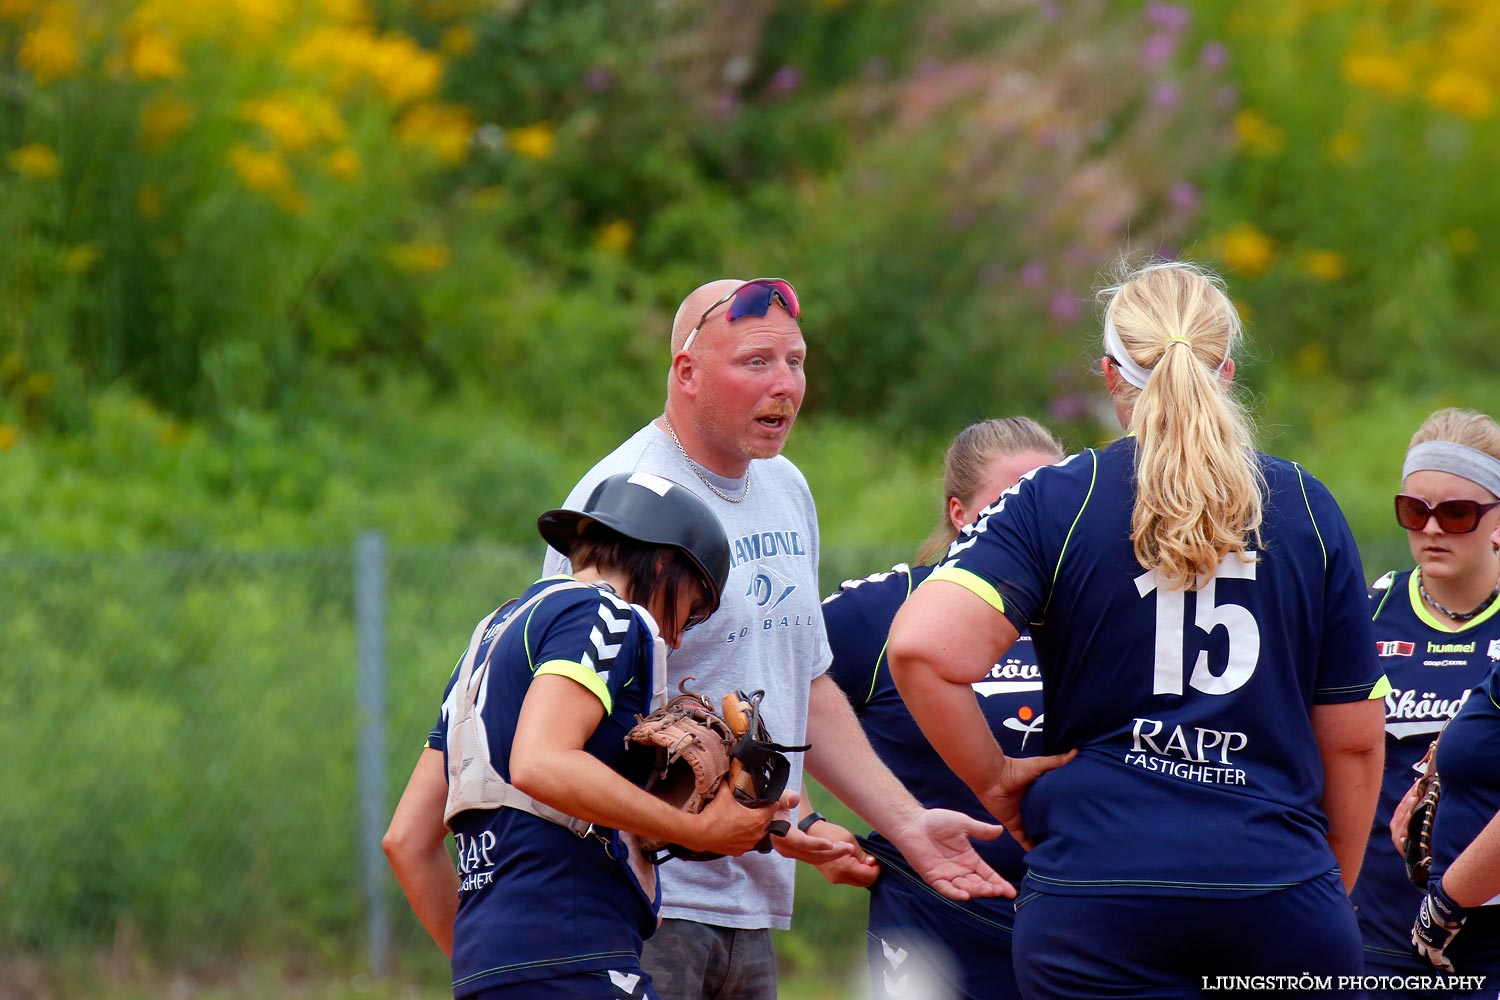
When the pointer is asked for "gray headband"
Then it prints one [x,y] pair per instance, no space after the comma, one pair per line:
[1454,459]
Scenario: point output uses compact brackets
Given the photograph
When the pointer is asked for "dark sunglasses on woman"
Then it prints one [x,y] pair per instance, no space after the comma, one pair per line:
[1456,517]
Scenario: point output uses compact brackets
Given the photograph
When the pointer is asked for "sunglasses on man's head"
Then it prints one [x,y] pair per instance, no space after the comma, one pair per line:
[753,298]
[1456,517]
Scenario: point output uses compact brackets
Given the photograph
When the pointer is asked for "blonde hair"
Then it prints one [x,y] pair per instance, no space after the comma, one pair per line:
[1466,427]
[974,448]
[1199,485]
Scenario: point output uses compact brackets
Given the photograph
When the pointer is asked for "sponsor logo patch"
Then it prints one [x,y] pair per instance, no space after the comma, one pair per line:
[1385,649]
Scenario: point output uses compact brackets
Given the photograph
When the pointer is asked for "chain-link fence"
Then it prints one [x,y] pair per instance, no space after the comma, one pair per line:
[186,752]
[184,740]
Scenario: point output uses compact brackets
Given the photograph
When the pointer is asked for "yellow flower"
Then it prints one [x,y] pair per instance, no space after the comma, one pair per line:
[259,20]
[49,51]
[11,366]
[295,120]
[458,40]
[403,70]
[16,10]
[148,203]
[343,163]
[266,173]
[442,128]
[418,256]
[1325,265]
[532,141]
[80,258]
[259,170]
[1246,249]
[163,117]
[1257,135]
[615,237]
[1462,94]
[345,11]
[1378,71]
[8,437]
[1463,242]
[38,384]
[35,160]
[154,56]
[1343,146]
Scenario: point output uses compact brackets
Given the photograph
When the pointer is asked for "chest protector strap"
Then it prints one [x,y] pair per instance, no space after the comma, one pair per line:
[473,782]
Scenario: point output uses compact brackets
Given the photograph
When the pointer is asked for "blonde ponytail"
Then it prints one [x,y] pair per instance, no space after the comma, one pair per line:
[1199,486]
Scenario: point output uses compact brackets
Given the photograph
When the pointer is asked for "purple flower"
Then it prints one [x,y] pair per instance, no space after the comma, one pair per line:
[1214,55]
[1183,195]
[1051,10]
[1077,255]
[598,79]
[1064,308]
[1166,96]
[1157,50]
[726,104]
[1168,17]
[1226,98]
[1033,274]
[1069,406]
[786,80]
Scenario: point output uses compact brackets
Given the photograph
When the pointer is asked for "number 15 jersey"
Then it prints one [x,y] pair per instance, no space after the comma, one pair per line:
[1197,770]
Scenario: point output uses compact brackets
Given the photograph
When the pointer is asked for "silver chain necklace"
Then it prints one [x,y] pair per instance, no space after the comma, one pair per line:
[1457,615]
[699,472]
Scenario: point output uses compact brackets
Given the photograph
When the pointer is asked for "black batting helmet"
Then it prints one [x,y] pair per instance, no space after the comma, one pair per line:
[650,509]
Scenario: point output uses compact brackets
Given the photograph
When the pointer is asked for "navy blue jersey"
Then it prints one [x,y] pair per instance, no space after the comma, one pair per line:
[1197,772]
[1432,671]
[858,618]
[1466,763]
[535,900]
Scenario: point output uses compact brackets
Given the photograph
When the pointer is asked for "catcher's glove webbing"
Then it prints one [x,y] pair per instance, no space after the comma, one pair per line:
[1418,852]
[697,750]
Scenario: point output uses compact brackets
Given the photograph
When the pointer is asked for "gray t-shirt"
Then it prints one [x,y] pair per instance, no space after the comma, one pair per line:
[767,635]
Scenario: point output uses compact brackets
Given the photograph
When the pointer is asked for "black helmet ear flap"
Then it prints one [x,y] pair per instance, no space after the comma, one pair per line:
[649,508]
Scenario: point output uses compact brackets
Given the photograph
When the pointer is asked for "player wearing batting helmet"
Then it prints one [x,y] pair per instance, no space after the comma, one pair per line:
[529,768]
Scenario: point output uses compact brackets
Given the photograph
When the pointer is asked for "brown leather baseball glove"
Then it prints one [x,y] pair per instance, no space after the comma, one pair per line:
[1418,853]
[697,750]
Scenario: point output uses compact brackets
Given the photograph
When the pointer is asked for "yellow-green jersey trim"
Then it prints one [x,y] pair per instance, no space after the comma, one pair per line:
[1413,583]
[1310,516]
[1056,570]
[971,582]
[1381,689]
[1385,594]
[581,674]
[886,645]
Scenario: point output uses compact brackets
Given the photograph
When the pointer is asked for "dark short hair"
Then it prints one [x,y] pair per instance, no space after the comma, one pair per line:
[609,551]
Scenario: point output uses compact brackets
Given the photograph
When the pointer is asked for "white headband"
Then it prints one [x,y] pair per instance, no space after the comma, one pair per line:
[1129,370]
[1455,459]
